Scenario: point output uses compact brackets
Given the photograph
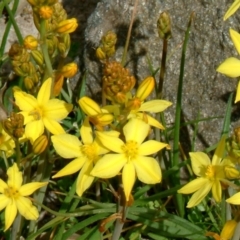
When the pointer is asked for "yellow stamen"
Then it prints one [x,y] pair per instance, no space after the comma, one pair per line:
[36,113]
[11,192]
[90,151]
[130,149]
[210,172]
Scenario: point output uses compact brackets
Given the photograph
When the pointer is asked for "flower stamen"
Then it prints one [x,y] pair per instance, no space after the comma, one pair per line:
[130,149]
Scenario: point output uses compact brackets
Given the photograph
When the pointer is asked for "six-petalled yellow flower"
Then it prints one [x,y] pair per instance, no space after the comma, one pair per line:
[42,111]
[130,156]
[13,196]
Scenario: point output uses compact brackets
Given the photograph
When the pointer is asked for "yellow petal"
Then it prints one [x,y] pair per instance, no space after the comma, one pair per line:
[237,98]
[217,191]
[111,142]
[148,170]
[109,165]
[4,201]
[24,101]
[14,177]
[228,229]
[230,67]
[153,122]
[199,195]
[67,146]
[233,8]
[86,132]
[29,188]
[136,130]
[71,167]
[57,109]
[84,180]
[235,36]
[235,199]
[34,130]
[194,185]
[53,126]
[3,186]
[200,161]
[26,209]
[10,214]
[155,106]
[128,178]
[44,92]
[219,152]
[89,107]
[150,147]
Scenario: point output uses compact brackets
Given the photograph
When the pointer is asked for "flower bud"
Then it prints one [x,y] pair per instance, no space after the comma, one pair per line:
[45,12]
[40,144]
[28,82]
[145,88]
[89,106]
[164,26]
[58,84]
[231,172]
[67,26]
[38,57]
[30,42]
[69,70]
[100,54]
[228,229]
[109,39]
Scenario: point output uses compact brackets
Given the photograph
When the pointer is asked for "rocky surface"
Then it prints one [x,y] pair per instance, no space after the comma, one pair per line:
[205,91]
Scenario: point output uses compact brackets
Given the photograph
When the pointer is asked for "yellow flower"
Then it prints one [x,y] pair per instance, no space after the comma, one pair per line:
[231,66]
[67,26]
[30,42]
[42,111]
[97,116]
[233,8]
[210,175]
[6,142]
[131,156]
[69,70]
[86,155]
[137,106]
[13,196]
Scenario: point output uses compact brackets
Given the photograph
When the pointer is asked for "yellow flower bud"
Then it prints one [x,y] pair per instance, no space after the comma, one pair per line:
[231,172]
[28,82]
[164,26]
[45,12]
[69,70]
[100,54]
[228,230]
[40,144]
[145,88]
[102,119]
[30,42]
[89,107]
[58,84]
[38,57]
[67,26]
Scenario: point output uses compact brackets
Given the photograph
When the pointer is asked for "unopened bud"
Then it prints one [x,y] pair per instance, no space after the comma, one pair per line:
[38,57]
[30,42]
[145,88]
[89,106]
[67,26]
[28,82]
[69,70]
[101,55]
[40,144]
[228,229]
[45,12]
[164,26]
[231,172]
[109,39]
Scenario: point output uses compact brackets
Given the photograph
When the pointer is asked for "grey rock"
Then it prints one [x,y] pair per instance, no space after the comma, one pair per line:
[205,91]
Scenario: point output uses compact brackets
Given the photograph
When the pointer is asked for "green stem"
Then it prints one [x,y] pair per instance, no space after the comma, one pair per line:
[8,27]
[12,19]
[124,57]
[163,68]
[175,160]
[44,47]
